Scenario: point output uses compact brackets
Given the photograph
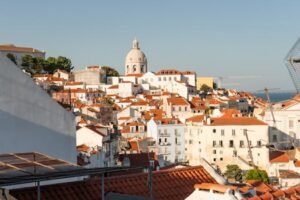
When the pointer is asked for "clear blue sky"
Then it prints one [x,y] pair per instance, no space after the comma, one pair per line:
[213,37]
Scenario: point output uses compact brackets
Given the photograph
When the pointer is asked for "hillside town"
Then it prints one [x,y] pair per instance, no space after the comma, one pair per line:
[177,134]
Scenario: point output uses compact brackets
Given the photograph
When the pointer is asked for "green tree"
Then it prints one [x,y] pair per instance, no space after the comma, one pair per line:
[51,65]
[39,65]
[233,172]
[110,71]
[205,88]
[12,57]
[215,85]
[64,63]
[257,174]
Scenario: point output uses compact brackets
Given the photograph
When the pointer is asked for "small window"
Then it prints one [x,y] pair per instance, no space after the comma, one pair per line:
[221,143]
[221,159]
[242,144]
[215,159]
[214,143]
[231,143]
[214,151]
[259,143]
[214,130]
[222,132]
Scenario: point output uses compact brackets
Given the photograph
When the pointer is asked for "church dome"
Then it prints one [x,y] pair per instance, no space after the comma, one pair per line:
[135,56]
[135,61]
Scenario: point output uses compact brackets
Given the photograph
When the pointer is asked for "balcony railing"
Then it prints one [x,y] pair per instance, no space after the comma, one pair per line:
[164,144]
[164,134]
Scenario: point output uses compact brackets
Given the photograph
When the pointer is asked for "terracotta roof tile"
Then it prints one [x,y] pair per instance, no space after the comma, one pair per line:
[196,118]
[236,121]
[14,48]
[278,157]
[167,184]
[178,101]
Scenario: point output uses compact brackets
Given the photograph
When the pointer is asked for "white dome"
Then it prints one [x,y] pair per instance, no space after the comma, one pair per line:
[135,61]
[135,56]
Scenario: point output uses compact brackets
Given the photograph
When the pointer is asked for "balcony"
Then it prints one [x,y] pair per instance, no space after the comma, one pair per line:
[164,135]
[165,144]
[165,153]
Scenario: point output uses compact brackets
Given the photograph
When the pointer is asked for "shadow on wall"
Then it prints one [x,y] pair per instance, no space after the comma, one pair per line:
[19,135]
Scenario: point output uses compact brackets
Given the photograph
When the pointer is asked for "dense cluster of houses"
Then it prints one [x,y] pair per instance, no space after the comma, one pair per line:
[162,116]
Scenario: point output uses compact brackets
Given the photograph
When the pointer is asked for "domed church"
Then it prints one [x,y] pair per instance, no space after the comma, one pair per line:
[136,61]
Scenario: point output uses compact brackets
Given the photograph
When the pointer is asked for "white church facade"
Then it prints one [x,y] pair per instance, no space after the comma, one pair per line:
[170,80]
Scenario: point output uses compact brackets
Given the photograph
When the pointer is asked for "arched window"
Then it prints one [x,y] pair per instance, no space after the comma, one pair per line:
[134,68]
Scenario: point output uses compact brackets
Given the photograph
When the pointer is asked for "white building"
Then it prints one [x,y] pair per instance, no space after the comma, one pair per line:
[20,52]
[223,141]
[286,127]
[169,136]
[92,75]
[30,120]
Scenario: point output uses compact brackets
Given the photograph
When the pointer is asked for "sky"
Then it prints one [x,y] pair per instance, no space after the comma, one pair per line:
[244,42]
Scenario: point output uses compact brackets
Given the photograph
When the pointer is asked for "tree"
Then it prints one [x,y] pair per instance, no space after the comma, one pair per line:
[110,71]
[257,174]
[64,63]
[205,88]
[12,57]
[35,65]
[234,172]
[215,85]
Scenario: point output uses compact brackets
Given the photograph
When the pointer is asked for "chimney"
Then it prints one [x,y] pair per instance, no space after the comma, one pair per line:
[208,120]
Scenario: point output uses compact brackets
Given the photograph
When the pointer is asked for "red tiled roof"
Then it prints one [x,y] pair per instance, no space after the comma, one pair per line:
[278,157]
[241,121]
[196,118]
[114,87]
[176,184]
[178,101]
[136,75]
[73,83]
[13,48]
[168,72]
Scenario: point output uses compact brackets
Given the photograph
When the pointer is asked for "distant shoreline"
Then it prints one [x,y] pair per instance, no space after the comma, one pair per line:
[276,96]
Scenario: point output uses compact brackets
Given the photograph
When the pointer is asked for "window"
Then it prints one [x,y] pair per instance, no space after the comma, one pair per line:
[190,141]
[233,132]
[234,153]
[199,150]
[222,132]
[291,123]
[259,143]
[214,143]
[231,143]
[159,141]
[170,78]
[242,144]
[159,78]
[214,151]
[166,140]
[185,108]
[179,108]
[215,159]
[221,143]
[221,159]
[165,78]
[214,130]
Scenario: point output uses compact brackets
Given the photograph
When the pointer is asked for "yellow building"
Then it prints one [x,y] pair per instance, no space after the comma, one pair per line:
[209,81]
